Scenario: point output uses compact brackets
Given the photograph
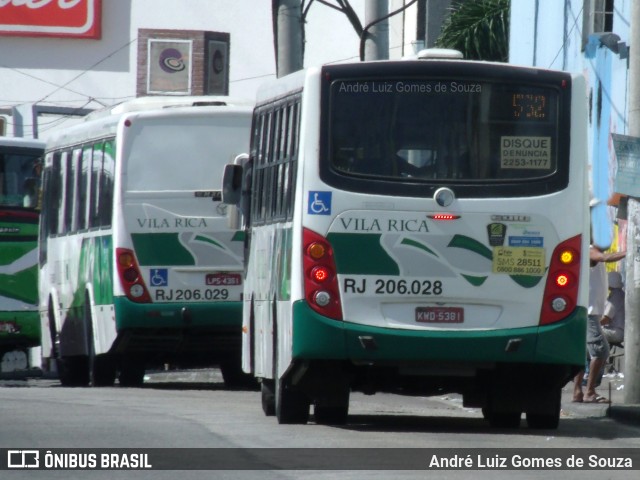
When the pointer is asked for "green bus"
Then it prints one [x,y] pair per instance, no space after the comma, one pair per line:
[20,165]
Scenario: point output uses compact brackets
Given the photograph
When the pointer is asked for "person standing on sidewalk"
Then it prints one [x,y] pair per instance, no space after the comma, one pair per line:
[597,344]
[614,315]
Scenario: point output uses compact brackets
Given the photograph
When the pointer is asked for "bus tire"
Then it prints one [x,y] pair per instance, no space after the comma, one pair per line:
[509,420]
[73,371]
[103,373]
[550,419]
[234,377]
[334,408]
[292,405]
[131,372]
[331,415]
[268,397]
[543,422]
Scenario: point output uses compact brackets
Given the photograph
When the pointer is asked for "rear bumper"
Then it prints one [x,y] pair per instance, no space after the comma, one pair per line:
[317,337]
[178,331]
[177,315]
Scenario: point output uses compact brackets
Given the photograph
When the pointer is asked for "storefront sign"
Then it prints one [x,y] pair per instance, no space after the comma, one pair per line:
[53,18]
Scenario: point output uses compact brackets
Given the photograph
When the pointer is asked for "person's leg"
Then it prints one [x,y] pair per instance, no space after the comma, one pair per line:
[599,352]
[577,387]
[592,380]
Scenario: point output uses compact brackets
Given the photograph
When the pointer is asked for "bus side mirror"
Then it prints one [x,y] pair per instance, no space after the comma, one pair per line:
[232,184]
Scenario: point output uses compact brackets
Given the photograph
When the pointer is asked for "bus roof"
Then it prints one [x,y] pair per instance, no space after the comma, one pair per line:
[157,102]
[21,142]
[105,122]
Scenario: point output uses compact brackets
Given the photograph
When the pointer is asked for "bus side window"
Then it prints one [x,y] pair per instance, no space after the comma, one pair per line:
[95,185]
[83,191]
[106,184]
[76,221]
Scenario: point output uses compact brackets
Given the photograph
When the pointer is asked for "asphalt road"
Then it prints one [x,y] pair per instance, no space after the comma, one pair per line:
[193,410]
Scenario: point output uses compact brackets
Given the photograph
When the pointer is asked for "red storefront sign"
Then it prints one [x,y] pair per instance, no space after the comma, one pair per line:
[52,18]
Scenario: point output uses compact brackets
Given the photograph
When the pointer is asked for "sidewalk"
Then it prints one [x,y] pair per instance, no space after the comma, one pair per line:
[612,387]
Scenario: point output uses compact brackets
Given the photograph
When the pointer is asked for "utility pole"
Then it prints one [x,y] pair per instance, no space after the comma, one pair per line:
[632,302]
[288,36]
[376,45]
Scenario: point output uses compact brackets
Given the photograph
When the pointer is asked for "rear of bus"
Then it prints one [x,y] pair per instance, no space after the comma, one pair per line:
[179,265]
[451,212]
[20,164]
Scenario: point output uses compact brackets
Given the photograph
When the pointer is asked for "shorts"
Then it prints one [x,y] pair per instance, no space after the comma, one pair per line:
[613,335]
[597,344]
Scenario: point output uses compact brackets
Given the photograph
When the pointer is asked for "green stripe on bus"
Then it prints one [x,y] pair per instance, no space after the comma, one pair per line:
[471,244]
[12,251]
[361,254]
[473,280]
[162,249]
[21,285]
[202,238]
[412,243]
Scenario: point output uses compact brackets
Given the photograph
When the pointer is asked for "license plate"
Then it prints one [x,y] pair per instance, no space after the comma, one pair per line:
[224,279]
[439,314]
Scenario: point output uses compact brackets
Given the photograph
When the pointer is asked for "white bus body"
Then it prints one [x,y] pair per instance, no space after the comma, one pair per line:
[137,262]
[417,227]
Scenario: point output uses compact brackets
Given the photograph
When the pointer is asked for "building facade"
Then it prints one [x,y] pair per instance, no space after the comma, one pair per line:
[60,59]
[589,37]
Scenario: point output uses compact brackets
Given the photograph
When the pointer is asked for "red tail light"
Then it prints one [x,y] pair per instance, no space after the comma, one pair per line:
[321,287]
[561,292]
[130,277]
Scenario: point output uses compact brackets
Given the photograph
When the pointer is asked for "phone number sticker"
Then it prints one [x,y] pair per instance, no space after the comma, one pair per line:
[519,260]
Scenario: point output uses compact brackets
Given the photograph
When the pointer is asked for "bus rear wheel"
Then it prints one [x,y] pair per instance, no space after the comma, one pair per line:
[547,418]
[234,376]
[292,405]
[331,415]
[131,372]
[103,371]
[73,371]
[268,397]
[504,419]
[333,408]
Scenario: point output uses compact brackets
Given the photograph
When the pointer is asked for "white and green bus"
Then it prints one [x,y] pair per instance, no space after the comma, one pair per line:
[418,227]
[20,165]
[138,265]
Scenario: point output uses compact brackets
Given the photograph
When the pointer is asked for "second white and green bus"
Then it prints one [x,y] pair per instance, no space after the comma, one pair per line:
[138,266]
[417,227]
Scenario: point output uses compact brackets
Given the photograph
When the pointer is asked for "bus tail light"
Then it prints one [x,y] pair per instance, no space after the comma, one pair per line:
[130,276]
[561,290]
[321,287]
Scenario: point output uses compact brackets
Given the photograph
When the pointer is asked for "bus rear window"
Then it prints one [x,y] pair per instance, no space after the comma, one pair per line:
[420,130]
[185,154]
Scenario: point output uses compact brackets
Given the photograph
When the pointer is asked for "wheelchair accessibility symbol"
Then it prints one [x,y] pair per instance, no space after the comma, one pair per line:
[159,277]
[319,203]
